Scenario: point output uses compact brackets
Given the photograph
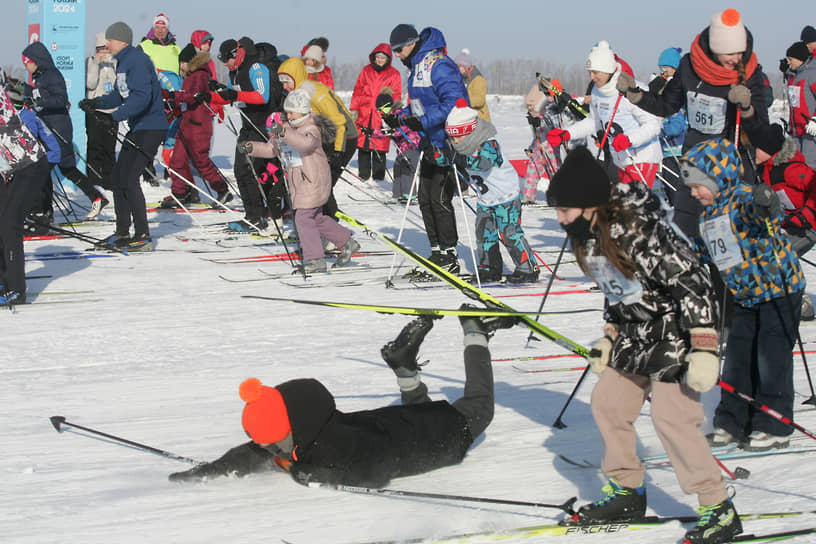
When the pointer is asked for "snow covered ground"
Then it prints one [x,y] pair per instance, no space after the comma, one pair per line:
[158,347]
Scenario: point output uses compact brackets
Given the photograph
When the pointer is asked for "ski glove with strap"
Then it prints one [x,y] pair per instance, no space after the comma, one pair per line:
[626,86]
[810,128]
[230,95]
[740,95]
[245,148]
[413,123]
[703,362]
[602,349]
[766,201]
[557,136]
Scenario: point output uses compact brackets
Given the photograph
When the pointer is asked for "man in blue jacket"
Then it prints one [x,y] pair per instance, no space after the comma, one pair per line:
[137,99]
[434,86]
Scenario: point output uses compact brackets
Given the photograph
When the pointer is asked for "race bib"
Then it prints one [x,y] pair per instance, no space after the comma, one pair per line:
[794,95]
[706,113]
[721,242]
[288,156]
[613,284]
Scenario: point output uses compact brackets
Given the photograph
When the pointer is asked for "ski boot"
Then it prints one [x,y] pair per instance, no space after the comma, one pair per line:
[619,504]
[718,523]
[401,356]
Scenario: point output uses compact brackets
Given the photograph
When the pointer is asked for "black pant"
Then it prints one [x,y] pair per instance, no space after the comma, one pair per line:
[128,198]
[687,209]
[16,200]
[101,131]
[404,169]
[368,159]
[436,189]
[337,164]
[246,170]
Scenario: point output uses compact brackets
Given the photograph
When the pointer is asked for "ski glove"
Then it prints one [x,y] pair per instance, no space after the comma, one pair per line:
[626,86]
[413,123]
[621,142]
[740,95]
[245,148]
[215,86]
[200,98]
[87,105]
[230,95]
[766,201]
[810,128]
[534,120]
[275,129]
[557,136]
[167,153]
[601,350]
[703,362]
[391,119]
[784,66]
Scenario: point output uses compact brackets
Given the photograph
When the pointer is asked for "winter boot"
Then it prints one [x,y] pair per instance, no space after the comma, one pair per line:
[762,441]
[619,504]
[313,266]
[401,354]
[96,207]
[140,243]
[807,308]
[721,437]
[223,197]
[436,255]
[717,523]
[346,252]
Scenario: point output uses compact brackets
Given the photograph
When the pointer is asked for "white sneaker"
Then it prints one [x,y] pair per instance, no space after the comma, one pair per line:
[762,441]
[96,207]
[721,437]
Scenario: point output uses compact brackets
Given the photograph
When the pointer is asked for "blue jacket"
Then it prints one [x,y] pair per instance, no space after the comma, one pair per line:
[137,94]
[742,248]
[43,133]
[434,85]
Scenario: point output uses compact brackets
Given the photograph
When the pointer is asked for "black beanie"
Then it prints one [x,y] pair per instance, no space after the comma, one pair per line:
[798,51]
[187,53]
[808,34]
[581,182]
[384,100]
[228,50]
[769,140]
[403,35]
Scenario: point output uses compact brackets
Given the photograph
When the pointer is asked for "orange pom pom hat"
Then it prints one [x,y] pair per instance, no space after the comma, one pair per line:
[265,417]
[727,34]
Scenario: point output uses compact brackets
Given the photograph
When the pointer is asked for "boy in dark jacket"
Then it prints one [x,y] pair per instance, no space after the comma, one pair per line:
[296,426]
[49,98]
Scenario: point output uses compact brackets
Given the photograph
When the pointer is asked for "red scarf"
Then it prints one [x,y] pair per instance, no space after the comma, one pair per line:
[716,74]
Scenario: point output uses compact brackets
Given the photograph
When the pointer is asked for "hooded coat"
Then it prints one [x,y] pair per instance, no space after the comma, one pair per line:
[369,448]
[794,181]
[744,253]
[18,146]
[370,83]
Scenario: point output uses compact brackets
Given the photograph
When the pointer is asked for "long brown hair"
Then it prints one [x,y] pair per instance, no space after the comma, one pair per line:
[617,256]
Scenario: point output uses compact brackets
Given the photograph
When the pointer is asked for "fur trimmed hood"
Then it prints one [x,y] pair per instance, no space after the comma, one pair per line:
[200,60]
[789,149]
[328,130]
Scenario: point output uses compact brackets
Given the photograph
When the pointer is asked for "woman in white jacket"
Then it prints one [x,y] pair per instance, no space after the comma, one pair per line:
[635,134]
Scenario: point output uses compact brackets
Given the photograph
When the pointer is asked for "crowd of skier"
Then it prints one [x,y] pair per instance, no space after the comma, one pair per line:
[678,196]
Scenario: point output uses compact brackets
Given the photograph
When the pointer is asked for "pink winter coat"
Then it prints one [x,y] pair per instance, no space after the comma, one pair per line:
[307,167]
[370,83]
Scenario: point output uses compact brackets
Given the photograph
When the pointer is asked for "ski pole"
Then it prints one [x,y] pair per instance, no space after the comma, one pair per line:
[565,507]
[414,183]
[558,424]
[609,125]
[550,282]
[770,411]
[467,227]
[85,238]
[59,422]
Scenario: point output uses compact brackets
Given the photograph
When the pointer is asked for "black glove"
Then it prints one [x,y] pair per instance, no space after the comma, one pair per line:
[366,131]
[563,100]
[201,98]
[230,95]
[485,325]
[215,86]
[391,119]
[413,123]
[245,148]
[766,201]
[87,105]
[336,160]
[784,65]
[534,120]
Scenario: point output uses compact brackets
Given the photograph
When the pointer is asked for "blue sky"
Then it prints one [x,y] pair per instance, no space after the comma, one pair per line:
[560,31]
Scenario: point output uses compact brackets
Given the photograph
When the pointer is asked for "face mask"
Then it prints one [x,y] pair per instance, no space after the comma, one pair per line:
[580,229]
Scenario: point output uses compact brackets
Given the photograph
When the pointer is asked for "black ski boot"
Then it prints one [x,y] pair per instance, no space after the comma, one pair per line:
[717,523]
[401,356]
[619,504]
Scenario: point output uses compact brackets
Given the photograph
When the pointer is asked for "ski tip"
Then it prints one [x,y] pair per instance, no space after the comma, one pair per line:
[57,421]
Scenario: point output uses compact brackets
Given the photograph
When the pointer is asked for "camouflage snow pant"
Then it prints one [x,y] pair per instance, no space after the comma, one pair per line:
[501,223]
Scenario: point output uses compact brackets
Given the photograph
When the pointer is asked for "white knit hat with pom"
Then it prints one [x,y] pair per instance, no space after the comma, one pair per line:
[601,58]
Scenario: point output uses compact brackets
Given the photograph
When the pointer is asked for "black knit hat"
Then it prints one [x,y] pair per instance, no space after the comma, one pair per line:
[228,50]
[808,34]
[385,101]
[581,182]
[187,53]
[403,35]
[798,51]
[769,140]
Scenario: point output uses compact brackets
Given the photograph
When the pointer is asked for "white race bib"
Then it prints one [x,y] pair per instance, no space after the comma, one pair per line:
[706,113]
[794,95]
[288,156]
[721,241]
[613,284]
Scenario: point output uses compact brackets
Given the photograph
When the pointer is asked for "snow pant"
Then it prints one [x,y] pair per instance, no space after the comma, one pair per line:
[128,198]
[477,402]
[645,172]
[687,209]
[16,199]
[246,170]
[759,363]
[435,195]
[100,129]
[807,145]
[337,164]
[405,167]
[371,160]
[676,415]
[501,223]
[311,224]
[193,144]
